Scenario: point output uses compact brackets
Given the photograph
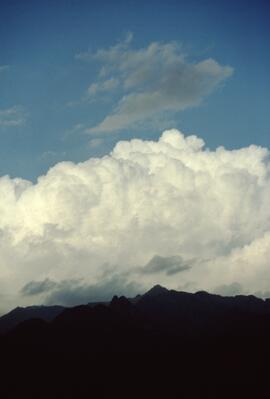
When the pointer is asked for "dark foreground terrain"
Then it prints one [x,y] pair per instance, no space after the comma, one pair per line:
[163,344]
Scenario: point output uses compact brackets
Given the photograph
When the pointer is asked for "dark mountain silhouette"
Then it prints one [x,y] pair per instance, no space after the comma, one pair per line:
[156,290]
[163,343]
[20,314]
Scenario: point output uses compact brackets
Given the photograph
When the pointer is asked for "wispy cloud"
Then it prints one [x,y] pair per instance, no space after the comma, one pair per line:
[104,86]
[52,155]
[96,142]
[13,116]
[152,80]
[4,68]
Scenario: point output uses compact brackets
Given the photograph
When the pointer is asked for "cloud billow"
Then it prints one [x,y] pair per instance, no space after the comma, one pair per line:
[152,80]
[170,205]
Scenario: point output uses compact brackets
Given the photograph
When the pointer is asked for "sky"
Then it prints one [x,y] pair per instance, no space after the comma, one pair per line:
[134,148]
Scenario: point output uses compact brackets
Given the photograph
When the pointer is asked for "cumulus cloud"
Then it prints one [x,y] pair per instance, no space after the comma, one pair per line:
[164,204]
[13,116]
[152,80]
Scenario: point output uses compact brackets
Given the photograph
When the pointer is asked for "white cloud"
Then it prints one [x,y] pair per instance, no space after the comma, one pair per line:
[152,80]
[12,117]
[171,198]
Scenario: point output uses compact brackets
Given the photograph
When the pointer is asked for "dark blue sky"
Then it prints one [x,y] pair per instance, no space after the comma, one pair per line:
[44,110]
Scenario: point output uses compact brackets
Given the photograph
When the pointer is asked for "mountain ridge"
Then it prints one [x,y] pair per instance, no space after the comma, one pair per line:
[157,293]
[165,343]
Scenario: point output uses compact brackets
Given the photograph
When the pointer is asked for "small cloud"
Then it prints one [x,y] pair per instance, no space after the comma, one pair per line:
[262,294]
[4,68]
[229,289]
[105,86]
[38,287]
[169,265]
[12,117]
[129,37]
[94,143]
[52,155]
[89,55]
[75,129]
[73,104]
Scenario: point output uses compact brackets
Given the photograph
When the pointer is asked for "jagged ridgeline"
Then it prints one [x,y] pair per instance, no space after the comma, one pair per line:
[165,341]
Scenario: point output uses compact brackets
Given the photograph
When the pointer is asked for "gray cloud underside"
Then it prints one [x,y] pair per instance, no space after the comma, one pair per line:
[153,80]
[38,287]
[169,265]
[75,292]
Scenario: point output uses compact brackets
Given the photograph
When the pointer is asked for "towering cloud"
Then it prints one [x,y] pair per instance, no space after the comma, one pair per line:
[169,212]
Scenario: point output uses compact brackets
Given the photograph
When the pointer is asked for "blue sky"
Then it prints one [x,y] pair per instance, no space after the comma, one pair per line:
[48,62]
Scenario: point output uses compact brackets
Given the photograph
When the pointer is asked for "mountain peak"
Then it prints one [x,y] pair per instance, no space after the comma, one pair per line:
[156,290]
[119,302]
